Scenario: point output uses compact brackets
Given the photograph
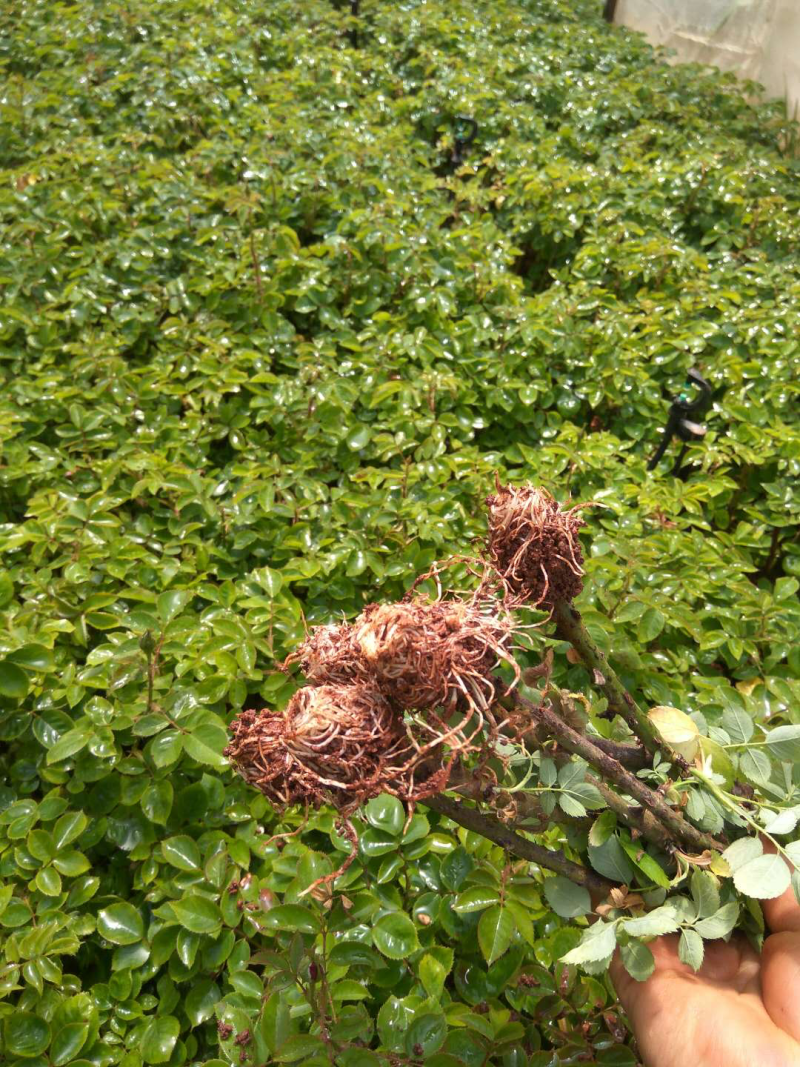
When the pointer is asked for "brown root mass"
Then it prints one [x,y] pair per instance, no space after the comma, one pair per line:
[328,656]
[441,654]
[534,545]
[336,744]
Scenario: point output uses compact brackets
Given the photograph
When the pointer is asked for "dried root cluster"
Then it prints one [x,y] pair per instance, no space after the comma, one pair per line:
[533,544]
[345,738]
[338,744]
[397,696]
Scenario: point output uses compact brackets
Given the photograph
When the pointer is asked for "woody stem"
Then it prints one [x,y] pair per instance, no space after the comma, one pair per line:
[571,627]
[494,830]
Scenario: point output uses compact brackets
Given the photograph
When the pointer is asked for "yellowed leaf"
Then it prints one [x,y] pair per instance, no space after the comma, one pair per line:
[676,729]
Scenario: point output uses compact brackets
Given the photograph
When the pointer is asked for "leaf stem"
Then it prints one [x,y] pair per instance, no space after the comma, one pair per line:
[739,810]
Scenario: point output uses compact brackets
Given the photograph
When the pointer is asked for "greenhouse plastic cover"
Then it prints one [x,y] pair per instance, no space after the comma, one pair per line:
[756,39]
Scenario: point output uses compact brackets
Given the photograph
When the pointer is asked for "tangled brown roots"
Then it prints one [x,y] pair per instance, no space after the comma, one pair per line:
[420,655]
[441,654]
[335,744]
[328,656]
[534,545]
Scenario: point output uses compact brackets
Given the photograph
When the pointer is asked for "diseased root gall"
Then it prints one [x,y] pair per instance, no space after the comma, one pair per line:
[435,655]
[338,745]
[328,656]
[533,544]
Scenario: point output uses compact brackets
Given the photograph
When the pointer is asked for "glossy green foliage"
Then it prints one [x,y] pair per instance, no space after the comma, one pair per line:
[261,353]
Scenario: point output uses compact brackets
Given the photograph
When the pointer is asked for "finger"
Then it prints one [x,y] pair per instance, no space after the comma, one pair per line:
[681,1017]
[782,914]
[780,981]
[637,997]
[731,963]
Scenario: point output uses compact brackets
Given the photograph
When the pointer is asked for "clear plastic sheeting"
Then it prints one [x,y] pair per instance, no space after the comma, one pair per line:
[756,39]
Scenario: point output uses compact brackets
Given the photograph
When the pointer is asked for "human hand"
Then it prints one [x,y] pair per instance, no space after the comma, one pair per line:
[741,1009]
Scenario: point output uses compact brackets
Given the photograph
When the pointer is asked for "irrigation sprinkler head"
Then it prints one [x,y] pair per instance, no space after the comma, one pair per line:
[681,418]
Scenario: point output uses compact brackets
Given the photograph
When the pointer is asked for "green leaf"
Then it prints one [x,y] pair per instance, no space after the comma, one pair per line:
[764,877]
[395,935]
[171,604]
[705,893]
[721,763]
[25,1035]
[182,852]
[644,861]
[609,859]
[166,748]
[269,580]
[663,920]
[377,843]
[48,882]
[548,774]
[354,954]
[120,923]
[68,744]
[566,898]
[358,1057]
[68,828]
[157,802]
[300,1047]
[276,1025]
[755,766]
[426,1033]
[598,943]
[495,931]
[476,898]
[291,917]
[15,913]
[359,438]
[455,867]
[432,974]
[201,1001]
[248,984]
[386,813]
[738,725]
[650,626]
[780,822]
[186,945]
[71,863]
[784,743]
[602,829]
[68,1042]
[588,795]
[205,744]
[41,845]
[6,589]
[742,851]
[570,806]
[312,866]
[198,914]
[720,923]
[32,658]
[638,960]
[159,1038]
[13,681]
[690,948]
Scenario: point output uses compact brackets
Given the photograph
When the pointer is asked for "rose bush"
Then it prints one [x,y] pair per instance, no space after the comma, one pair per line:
[264,345]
